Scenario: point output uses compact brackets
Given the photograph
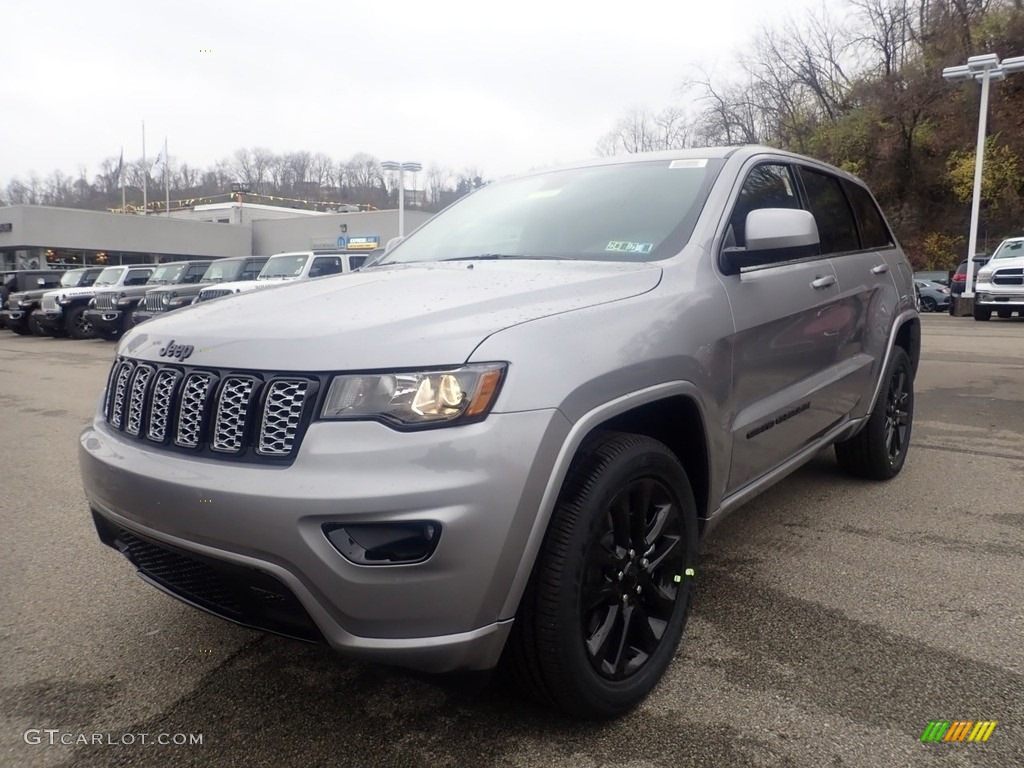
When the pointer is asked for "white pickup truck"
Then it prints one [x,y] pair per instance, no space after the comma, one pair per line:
[284,267]
[1000,286]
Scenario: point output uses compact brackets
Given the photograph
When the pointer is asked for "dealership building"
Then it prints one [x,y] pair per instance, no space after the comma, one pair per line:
[35,236]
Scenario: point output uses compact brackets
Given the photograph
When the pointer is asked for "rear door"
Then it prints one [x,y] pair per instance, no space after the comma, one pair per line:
[784,341]
[854,236]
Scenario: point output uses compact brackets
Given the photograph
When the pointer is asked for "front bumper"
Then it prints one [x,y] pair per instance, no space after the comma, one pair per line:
[998,297]
[482,482]
[141,315]
[110,320]
[13,318]
[52,318]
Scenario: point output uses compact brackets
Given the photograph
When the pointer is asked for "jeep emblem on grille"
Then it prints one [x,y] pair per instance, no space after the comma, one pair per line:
[180,351]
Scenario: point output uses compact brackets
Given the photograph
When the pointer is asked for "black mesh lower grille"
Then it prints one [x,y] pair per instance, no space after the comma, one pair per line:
[243,595]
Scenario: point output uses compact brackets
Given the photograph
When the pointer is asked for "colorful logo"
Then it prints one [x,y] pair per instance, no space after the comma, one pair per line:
[958,730]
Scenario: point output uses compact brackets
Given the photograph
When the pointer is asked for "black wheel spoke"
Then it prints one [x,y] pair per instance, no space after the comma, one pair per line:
[617,663]
[597,643]
[669,545]
[657,526]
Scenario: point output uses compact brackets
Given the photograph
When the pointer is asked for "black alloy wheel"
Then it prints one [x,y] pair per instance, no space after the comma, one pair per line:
[928,304]
[612,585]
[76,324]
[879,450]
[632,572]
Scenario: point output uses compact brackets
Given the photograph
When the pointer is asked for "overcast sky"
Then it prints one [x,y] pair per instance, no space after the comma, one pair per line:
[499,86]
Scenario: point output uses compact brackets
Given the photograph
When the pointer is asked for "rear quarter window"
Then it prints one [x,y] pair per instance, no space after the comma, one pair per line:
[873,231]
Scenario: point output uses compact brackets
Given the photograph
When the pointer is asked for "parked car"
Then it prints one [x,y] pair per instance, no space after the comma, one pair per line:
[285,267]
[932,297]
[24,309]
[21,280]
[936,276]
[1000,286]
[166,299]
[112,311]
[506,438]
[63,310]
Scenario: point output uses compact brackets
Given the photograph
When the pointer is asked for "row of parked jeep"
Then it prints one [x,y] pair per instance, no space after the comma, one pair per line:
[105,302]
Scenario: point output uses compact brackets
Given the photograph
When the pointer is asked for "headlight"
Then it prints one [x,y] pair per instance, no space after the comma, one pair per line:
[166,299]
[985,274]
[416,399]
[63,300]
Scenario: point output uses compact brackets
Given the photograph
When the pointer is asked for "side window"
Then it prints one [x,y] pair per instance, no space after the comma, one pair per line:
[138,277]
[766,186]
[325,265]
[825,199]
[251,269]
[195,273]
[873,231]
[355,262]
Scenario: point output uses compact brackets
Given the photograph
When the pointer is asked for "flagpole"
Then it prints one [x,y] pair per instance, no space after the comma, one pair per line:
[145,170]
[120,178]
[167,178]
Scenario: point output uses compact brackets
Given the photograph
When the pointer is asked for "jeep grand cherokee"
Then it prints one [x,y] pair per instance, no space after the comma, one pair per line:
[507,437]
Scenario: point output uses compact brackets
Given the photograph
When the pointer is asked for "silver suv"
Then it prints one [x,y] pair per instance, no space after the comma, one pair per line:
[506,438]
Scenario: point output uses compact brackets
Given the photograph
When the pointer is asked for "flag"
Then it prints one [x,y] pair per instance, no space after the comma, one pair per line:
[120,170]
[161,161]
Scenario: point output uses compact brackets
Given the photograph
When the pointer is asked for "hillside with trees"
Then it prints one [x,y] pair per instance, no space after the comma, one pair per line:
[307,180]
[863,90]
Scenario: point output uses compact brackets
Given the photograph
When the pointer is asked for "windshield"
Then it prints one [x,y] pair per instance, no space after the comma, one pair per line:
[631,211]
[109,276]
[73,278]
[283,266]
[222,271]
[1010,249]
[169,273]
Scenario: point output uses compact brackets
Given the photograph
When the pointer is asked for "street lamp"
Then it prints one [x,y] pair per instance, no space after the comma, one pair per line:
[984,69]
[391,165]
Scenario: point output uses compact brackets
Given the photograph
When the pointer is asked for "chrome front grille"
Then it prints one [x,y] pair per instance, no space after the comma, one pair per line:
[213,293]
[230,414]
[154,302]
[1009,276]
[49,303]
[105,301]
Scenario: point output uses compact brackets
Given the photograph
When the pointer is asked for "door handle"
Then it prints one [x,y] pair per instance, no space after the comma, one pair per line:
[823,282]
[881,269]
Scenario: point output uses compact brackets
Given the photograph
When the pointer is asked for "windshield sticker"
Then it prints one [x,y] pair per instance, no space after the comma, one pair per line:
[622,246]
[688,163]
[542,193]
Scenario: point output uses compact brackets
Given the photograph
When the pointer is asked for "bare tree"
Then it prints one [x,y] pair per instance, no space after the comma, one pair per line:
[639,130]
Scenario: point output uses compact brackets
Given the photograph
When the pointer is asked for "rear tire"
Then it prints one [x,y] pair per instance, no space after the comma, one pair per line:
[928,304]
[77,326]
[1005,314]
[611,589]
[879,450]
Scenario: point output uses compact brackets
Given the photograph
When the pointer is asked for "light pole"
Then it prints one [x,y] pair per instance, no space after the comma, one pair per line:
[985,69]
[391,165]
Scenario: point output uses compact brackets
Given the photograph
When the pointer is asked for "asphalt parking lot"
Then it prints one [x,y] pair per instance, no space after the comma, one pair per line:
[834,618]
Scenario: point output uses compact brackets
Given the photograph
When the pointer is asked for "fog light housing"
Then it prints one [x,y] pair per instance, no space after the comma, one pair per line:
[403,543]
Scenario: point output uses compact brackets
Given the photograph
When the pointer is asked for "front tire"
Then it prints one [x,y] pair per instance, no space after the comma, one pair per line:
[35,327]
[77,326]
[928,304]
[980,313]
[879,450]
[612,586]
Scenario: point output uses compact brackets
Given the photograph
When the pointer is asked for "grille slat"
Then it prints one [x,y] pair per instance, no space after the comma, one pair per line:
[282,415]
[229,414]
[49,303]
[214,293]
[232,409]
[194,395]
[154,302]
[137,399]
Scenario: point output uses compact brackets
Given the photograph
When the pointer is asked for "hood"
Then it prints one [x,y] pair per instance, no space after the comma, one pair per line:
[85,291]
[28,295]
[1015,262]
[237,286]
[389,317]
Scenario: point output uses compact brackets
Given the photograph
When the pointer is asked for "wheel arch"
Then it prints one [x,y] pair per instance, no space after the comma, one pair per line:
[673,413]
